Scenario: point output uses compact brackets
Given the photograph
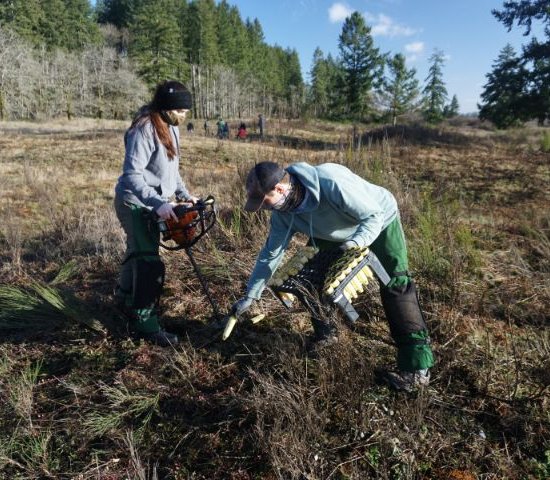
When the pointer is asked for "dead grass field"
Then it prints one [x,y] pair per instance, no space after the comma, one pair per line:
[81,400]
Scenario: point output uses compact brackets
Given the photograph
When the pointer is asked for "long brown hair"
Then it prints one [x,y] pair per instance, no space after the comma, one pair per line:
[152,112]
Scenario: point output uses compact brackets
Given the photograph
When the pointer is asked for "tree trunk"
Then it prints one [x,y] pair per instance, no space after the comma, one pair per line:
[2,107]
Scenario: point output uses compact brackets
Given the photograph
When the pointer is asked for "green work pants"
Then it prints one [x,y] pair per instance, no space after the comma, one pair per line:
[413,348]
[143,243]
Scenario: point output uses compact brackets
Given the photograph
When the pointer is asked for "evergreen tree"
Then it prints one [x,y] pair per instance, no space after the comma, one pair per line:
[434,92]
[80,25]
[227,39]
[536,54]
[65,24]
[23,17]
[504,96]
[452,109]
[202,36]
[258,52]
[241,54]
[336,102]
[400,88]
[156,40]
[293,82]
[293,70]
[116,12]
[320,83]
[523,12]
[362,64]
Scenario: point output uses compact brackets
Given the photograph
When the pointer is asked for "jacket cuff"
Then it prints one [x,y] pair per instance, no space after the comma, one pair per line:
[182,196]
[155,203]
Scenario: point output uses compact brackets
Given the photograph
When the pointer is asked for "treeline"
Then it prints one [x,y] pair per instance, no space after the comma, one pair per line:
[127,46]
[364,84]
[518,87]
[63,57]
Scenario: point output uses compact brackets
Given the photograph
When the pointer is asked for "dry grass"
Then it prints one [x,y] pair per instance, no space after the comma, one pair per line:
[77,404]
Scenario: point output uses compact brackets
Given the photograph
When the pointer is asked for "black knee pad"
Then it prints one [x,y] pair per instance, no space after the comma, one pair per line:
[148,280]
[402,309]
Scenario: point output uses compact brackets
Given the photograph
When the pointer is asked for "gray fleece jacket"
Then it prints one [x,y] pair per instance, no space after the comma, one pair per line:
[338,206]
[149,178]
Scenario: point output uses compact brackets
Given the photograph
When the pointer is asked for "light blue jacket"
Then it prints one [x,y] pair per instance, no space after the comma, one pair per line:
[149,177]
[338,206]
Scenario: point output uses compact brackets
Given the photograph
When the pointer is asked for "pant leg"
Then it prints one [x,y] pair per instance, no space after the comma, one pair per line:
[400,301]
[142,243]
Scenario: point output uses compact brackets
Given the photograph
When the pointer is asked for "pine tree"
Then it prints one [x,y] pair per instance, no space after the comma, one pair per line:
[434,92]
[241,55]
[65,24]
[320,83]
[227,40]
[117,12]
[258,57]
[202,35]
[400,88]
[504,96]
[452,109]
[536,54]
[362,64]
[156,41]
[23,17]
[82,30]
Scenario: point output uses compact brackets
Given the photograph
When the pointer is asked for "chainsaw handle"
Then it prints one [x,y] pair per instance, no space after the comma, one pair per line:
[199,205]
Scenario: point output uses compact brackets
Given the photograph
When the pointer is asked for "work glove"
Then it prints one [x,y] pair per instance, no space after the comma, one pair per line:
[347,245]
[241,306]
[166,211]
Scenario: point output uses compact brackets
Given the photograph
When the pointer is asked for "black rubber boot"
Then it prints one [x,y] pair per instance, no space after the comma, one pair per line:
[404,381]
[161,338]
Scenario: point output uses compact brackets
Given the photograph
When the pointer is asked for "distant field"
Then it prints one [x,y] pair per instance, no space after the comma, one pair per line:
[80,399]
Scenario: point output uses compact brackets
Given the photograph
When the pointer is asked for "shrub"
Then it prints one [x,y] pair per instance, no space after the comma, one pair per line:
[545,142]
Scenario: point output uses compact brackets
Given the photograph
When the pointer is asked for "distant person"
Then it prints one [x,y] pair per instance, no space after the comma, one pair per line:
[220,124]
[242,133]
[261,125]
[338,209]
[150,177]
[190,127]
[206,128]
[226,130]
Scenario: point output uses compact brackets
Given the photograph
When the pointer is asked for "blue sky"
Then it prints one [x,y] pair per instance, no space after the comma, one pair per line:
[465,30]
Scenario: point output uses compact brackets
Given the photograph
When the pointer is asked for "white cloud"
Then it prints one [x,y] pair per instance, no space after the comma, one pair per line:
[414,50]
[415,47]
[384,26]
[339,12]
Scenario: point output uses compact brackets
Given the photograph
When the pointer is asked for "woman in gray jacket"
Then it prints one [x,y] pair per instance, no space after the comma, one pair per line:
[150,178]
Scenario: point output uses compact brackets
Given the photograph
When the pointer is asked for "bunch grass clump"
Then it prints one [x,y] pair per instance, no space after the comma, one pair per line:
[121,404]
[545,142]
[39,305]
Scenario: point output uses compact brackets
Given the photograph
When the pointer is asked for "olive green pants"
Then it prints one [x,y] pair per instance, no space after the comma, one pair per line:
[410,334]
[141,243]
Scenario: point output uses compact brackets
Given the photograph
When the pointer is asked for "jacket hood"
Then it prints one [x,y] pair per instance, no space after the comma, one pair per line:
[309,178]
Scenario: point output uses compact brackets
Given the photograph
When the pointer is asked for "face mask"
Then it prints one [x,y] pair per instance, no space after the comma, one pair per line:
[281,202]
[174,117]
